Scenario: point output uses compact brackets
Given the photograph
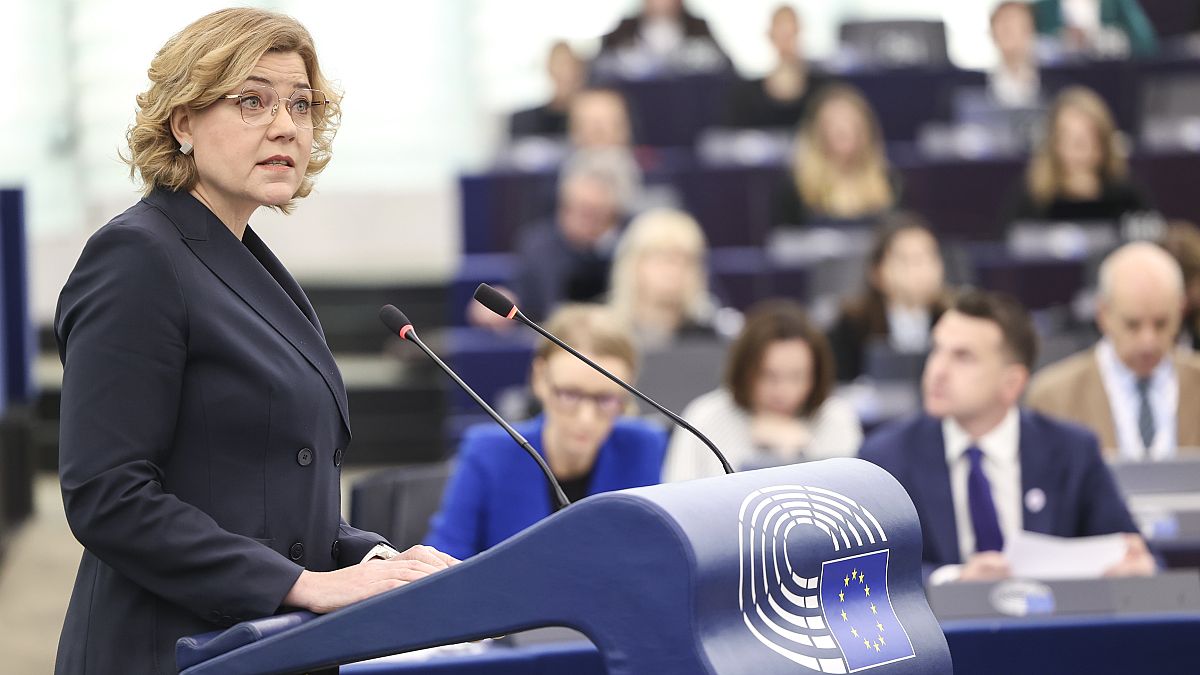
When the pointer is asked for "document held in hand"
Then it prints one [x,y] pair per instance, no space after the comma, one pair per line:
[1042,556]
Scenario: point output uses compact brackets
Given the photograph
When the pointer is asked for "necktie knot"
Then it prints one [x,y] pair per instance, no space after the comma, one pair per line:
[974,455]
[1143,385]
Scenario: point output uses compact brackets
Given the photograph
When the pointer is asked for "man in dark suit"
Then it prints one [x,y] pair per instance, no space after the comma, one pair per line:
[979,469]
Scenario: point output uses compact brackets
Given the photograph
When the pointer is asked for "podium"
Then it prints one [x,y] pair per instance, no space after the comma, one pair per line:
[806,568]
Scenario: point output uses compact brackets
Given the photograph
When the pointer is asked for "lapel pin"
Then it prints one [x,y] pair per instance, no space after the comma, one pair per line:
[1035,500]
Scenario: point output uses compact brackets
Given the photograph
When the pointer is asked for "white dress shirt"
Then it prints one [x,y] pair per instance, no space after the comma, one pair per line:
[908,329]
[1082,14]
[1001,464]
[1120,384]
[1015,88]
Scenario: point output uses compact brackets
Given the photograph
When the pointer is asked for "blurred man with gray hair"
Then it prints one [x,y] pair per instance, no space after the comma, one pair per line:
[1128,389]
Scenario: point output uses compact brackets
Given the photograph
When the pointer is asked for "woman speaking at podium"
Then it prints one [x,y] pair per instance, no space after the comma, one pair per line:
[204,421]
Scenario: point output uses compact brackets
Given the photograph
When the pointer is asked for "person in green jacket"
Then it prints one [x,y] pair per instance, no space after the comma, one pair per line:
[1080,22]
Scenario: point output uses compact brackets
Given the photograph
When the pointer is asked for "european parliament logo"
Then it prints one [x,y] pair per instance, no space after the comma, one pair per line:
[838,619]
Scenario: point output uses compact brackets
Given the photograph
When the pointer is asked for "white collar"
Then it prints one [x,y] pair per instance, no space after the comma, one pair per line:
[1000,444]
[1106,354]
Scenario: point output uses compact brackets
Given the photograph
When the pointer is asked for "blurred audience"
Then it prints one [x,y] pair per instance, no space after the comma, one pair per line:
[1103,28]
[659,281]
[840,171]
[779,98]
[662,39]
[1014,82]
[979,469]
[568,73]
[1131,388]
[776,406]
[1079,172]
[903,295]
[1182,241]
[496,491]
[567,258]
[599,118]
[600,129]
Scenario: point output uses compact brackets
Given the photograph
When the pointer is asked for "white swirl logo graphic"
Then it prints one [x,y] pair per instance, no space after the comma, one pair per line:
[838,619]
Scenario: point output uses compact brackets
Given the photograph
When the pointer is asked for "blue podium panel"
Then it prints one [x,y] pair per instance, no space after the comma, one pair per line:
[1162,644]
[576,658]
[806,568]
[1097,645]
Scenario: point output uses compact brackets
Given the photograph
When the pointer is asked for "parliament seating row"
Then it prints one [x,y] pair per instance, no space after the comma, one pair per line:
[675,112]
[962,199]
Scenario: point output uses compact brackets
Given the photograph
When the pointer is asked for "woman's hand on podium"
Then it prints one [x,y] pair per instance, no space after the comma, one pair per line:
[323,592]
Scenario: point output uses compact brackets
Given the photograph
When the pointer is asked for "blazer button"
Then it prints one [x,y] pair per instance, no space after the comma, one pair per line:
[337,457]
[297,551]
[336,551]
[304,457]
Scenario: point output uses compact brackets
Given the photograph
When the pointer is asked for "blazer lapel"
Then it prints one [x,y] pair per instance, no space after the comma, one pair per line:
[1038,472]
[1187,425]
[1095,398]
[265,286]
[932,480]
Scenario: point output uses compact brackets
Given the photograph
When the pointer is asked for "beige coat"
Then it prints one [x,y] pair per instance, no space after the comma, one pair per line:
[1072,389]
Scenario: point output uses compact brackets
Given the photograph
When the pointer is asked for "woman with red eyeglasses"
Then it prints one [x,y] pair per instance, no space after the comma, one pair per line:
[496,491]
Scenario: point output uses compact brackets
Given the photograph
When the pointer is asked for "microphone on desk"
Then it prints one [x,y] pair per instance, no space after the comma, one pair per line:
[498,303]
[399,324]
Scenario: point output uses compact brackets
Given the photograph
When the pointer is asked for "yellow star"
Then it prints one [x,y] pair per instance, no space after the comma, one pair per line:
[874,610]
[854,574]
[867,643]
[843,615]
[868,590]
[854,631]
[841,596]
[876,646]
[879,626]
[847,581]
[862,578]
[881,641]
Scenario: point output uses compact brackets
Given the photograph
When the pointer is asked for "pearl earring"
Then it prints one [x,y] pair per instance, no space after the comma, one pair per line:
[185,148]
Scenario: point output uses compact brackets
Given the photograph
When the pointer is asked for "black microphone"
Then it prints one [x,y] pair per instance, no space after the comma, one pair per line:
[399,324]
[498,303]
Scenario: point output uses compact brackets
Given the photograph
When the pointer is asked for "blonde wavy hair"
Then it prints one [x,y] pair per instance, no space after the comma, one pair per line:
[204,61]
[825,189]
[1044,177]
[656,230]
[592,329]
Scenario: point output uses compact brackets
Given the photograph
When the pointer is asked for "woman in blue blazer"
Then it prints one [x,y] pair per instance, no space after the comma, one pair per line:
[204,421]
[497,490]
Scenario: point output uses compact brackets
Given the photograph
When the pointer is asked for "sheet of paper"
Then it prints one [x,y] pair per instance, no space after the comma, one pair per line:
[1042,556]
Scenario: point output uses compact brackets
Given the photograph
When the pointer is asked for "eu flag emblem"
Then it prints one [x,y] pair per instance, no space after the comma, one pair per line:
[858,611]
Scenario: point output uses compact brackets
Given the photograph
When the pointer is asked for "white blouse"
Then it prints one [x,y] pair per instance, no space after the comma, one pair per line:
[835,428]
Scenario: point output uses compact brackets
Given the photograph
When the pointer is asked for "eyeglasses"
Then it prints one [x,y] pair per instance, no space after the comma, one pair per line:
[259,105]
[569,399]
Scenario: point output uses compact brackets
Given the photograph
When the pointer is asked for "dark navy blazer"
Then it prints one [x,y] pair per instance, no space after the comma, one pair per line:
[203,428]
[497,490]
[1060,458]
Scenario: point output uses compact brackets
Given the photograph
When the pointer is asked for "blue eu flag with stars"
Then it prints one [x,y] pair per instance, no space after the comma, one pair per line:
[859,613]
